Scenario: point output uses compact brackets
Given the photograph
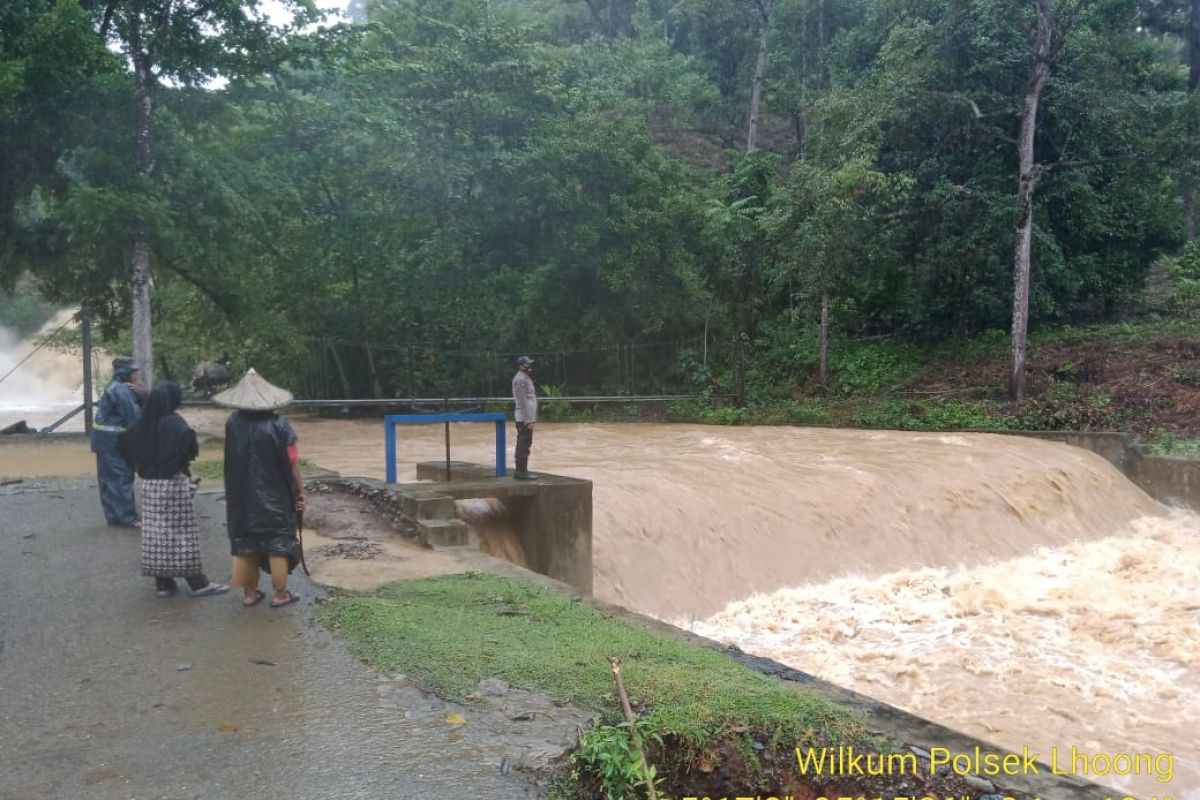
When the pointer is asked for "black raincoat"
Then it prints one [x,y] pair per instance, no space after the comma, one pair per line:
[260,495]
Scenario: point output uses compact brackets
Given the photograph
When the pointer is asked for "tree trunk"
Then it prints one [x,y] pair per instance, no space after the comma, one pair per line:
[1189,182]
[739,370]
[85,328]
[1189,208]
[376,387]
[341,369]
[1194,48]
[372,373]
[1026,186]
[760,68]
[823,73]
[823,363]
[143,343]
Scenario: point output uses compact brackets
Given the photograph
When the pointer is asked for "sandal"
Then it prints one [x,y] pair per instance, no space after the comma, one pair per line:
[259,595]
[279,603]
[210,590]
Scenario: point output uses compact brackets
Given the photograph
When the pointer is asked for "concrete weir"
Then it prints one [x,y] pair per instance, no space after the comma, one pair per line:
[552,515]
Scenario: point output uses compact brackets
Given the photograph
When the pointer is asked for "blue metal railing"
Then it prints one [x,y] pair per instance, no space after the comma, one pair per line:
[392,420]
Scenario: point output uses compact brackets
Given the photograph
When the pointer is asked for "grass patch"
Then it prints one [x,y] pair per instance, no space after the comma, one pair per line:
[213,469]
[450,632]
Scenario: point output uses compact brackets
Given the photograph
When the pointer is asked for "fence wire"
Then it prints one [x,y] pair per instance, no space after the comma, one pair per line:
[338,368]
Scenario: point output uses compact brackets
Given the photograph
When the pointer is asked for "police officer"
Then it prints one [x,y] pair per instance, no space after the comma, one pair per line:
[525,400]
[119,410]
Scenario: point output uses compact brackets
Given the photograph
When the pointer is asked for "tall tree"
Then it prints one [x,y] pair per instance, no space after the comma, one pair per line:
[1180,21]
[1047,35]
[55,80]
[188,42]
[1193,51]
[763,9]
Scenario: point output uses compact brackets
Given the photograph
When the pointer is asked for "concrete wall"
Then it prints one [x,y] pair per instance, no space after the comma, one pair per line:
[1174,481]
[552,515]
[555,529]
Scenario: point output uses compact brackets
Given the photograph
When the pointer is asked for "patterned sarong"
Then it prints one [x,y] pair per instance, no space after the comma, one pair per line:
[170,532]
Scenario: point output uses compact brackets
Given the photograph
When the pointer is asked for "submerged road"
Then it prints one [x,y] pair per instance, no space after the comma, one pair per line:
[108,691]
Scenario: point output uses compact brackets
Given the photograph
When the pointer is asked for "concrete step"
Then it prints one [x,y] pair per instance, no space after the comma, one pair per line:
[439,507]
[443,532]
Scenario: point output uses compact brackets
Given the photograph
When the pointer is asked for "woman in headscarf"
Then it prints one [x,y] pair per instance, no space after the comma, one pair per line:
[160,447]
[263,489]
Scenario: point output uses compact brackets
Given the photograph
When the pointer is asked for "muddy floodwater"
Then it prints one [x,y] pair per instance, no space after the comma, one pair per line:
[1018,590]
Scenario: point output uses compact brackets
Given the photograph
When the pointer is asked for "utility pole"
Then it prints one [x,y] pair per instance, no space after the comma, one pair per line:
[85,319]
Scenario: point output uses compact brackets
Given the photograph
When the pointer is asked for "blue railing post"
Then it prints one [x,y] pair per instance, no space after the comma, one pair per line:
[500,448]
[392,420]
[389,438]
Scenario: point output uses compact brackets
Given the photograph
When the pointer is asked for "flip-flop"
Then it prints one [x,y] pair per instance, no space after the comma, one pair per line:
[291,599]
[210,590]
[256,600]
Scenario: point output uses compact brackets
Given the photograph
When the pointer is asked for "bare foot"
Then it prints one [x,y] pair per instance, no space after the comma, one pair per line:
[283,599]
[252,597]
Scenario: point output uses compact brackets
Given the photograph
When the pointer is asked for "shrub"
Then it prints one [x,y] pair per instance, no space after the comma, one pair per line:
[1168,443]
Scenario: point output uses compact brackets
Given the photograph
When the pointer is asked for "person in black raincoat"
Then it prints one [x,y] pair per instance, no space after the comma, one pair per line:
[118,412]
[263,489]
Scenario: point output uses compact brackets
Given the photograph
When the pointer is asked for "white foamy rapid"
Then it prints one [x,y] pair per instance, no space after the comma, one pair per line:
[45,386]
[1092,645]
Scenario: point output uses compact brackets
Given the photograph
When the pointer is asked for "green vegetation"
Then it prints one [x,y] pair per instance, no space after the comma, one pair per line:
[23,312]
[1169,443]
[451,632]
[1126,376]
[609,752]
[398,208]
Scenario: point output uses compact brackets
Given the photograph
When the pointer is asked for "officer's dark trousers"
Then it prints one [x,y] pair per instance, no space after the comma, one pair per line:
[116,488]
[524,443]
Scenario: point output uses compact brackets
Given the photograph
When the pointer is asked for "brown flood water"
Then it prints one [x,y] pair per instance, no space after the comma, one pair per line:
[1018,590]
[1021,591]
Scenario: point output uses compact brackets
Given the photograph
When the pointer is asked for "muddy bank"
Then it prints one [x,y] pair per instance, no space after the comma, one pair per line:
[349,545]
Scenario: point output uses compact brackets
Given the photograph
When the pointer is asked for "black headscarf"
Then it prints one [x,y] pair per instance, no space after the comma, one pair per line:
[161,444]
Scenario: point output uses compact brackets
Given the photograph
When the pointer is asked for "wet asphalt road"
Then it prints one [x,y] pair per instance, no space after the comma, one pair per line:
[107,691]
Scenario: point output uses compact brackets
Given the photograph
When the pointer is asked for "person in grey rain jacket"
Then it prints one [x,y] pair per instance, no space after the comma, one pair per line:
[525,398]
[119,411]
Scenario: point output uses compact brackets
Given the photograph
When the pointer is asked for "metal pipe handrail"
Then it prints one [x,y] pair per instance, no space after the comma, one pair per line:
[392,401]
[410,401]
[53,425]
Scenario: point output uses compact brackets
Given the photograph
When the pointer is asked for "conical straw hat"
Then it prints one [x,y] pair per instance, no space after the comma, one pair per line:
[254,393]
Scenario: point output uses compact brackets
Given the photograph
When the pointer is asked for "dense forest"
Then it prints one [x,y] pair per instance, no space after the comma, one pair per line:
[653,195]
